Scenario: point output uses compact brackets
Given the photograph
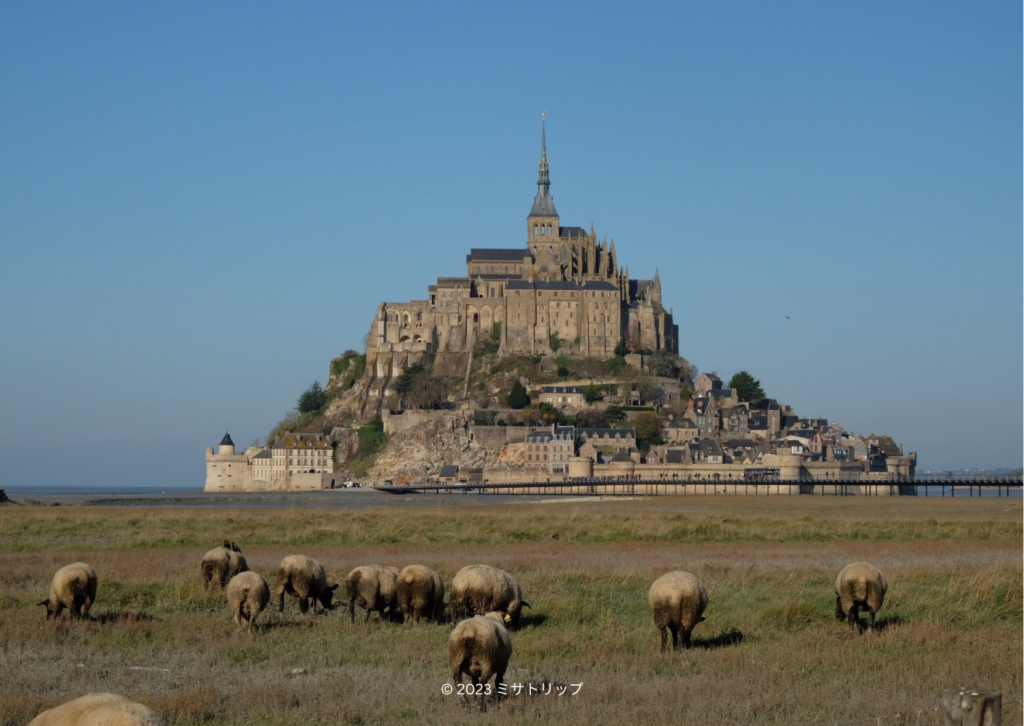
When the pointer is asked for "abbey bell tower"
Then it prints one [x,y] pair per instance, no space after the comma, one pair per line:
[542,223]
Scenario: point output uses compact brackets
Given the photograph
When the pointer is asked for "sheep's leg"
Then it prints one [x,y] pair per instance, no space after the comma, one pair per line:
[303,605]
[686,637]
[664,639]
[675,636]
[871,625]
[86,607]
[854,617]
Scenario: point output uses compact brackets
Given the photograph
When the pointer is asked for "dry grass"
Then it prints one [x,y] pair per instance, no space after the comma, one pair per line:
[769,652]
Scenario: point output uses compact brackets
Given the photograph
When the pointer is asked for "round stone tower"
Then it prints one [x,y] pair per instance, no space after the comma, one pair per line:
[227,446]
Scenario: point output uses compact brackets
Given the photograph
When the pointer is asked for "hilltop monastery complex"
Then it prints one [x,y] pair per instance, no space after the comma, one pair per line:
[565,291]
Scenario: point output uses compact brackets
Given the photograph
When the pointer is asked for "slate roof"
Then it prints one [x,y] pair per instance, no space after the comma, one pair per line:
[637,288]
[265,454]
[543,204]
[710,447]
[497,255]
[720,392]
[739,444]
[572,232]
[681,423]
[449,470]
[543,436]
[226,441]
[558,285]
[621,456]
[677,456]
[606,433]
[561,389]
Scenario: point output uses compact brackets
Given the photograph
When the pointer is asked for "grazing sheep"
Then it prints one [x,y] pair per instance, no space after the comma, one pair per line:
[859,586]
[420,593]
[221,564]
[678,600]
[304,578]
[98,709]
[73,587]
[248,594]
[480,647]
[372,587]
[479,589]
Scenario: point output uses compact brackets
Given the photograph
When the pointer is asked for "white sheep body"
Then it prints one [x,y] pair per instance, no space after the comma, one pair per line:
[220,564]
[678,600]
[73,587]
[479,589]
[420,593]
[304,578]
[98,709]
[373,588]
[480,647]
[248,594]
[860,587]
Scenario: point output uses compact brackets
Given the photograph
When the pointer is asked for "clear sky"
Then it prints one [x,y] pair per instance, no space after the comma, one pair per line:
[201,204]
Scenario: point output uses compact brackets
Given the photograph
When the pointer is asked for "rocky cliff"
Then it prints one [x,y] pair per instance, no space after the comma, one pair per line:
[418,453]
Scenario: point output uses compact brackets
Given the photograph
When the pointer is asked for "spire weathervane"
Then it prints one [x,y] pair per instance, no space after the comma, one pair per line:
[543,178]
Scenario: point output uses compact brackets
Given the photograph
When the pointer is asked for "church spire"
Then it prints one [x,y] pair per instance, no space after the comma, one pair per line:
[543,203]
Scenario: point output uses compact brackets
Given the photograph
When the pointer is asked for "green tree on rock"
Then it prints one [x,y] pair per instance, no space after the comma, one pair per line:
[647,426]
[312,399]
[747,387]
[518,397]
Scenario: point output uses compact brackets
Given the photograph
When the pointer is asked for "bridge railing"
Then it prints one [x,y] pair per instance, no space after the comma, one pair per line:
[1002,487]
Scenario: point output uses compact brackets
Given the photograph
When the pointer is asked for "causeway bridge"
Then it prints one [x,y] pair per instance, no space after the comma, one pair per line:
[600,486]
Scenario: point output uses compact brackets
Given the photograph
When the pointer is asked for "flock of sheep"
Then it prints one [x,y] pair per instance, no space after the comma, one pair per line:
[484,604]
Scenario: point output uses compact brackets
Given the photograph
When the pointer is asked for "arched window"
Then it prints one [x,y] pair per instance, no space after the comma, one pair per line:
[419,317]
[405,318]
[549,229]
[535,230]
[476,318]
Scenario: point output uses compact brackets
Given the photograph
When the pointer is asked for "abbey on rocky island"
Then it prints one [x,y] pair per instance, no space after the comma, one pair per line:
[563,290]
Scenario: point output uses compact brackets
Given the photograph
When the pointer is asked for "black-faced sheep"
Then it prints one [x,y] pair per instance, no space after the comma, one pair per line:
[479,589]
[73,587]
[480,647]
[248,594]
[221,564]
[98,709]
[304,578]
[372,587]
[678,600]
[859,586]
[420,593]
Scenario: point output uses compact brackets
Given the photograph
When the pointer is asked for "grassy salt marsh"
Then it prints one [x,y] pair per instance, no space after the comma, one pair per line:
[770,650]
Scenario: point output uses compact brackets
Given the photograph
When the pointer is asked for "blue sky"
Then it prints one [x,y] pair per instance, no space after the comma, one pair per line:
[202,204]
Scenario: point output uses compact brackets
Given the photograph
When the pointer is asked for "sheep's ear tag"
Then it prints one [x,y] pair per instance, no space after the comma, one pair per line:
[508,618]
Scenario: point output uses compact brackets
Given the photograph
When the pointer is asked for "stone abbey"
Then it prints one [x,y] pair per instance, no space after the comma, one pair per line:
[563,290]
